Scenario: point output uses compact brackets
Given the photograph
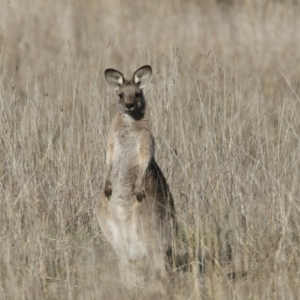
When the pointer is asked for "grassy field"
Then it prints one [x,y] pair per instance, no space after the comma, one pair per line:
[225,112]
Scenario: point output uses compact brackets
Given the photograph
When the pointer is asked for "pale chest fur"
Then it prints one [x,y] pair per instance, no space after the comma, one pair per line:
[126,136]
[126,144]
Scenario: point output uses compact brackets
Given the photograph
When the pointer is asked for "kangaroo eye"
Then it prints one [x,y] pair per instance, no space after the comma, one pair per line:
[121,95]
[137,95]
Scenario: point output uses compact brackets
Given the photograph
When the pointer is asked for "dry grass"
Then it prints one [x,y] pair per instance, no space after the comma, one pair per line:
[225,112]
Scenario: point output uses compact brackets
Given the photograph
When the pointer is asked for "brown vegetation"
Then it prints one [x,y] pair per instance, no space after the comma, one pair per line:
[224,108]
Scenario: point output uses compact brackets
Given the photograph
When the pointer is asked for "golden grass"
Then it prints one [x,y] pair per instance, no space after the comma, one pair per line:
[225,112]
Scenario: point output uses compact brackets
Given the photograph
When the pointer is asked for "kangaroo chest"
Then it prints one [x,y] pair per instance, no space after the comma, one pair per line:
[126,141]
[126,147]
[125,159]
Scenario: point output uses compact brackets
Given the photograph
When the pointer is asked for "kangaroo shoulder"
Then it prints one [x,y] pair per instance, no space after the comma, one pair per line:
[117,123]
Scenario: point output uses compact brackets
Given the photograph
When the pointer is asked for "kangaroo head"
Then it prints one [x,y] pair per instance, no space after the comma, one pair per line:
[130,92]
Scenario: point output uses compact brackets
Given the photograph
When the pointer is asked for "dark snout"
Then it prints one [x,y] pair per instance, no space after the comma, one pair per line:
[129,106]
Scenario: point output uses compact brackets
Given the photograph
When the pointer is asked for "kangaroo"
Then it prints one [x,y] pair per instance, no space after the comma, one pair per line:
[136,211]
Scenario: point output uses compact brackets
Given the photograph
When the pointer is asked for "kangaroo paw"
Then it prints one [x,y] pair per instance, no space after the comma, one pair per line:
[108,189]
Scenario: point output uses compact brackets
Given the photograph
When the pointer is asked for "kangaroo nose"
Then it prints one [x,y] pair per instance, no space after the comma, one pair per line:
[129,105]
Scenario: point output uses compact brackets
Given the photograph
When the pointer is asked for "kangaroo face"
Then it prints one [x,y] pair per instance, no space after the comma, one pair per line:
[130,99]
[130,92]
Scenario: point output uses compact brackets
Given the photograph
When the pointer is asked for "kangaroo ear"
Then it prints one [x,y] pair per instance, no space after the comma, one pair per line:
[142,75]
[114,78]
